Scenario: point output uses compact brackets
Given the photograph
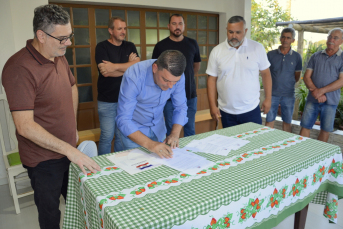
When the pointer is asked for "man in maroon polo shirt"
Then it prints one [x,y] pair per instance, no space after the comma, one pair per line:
[43,99]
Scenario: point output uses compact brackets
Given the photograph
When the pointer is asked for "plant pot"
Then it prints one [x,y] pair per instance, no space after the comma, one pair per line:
[317,123]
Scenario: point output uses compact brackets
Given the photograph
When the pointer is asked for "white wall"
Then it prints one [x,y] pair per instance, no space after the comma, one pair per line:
[16,23]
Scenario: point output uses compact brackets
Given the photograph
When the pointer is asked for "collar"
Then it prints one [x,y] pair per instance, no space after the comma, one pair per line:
[290,52]
[338,53]
[245,43]
[150,76]
[39,57]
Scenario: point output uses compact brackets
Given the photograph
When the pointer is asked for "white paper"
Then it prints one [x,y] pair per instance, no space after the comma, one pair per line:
[134,161]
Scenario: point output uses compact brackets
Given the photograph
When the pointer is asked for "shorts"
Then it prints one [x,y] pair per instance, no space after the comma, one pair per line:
[287,108]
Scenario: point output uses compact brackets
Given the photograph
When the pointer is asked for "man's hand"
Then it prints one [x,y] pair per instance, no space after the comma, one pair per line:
[267,103]
[215,113]
[322,99]
[316,93]
[105,68]
[82,159]
[172,141]
[161,149]
[132,56]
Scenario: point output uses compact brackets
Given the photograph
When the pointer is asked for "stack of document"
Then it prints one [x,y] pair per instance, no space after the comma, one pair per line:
[217,144]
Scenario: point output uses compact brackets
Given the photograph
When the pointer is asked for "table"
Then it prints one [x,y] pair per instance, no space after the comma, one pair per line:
[257,186]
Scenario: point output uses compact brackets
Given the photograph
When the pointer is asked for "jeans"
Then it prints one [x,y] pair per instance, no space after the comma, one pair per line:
[49,179]
[189,127]
[107,117]
[326,112]
[124,143]
[287,107]
[233,120]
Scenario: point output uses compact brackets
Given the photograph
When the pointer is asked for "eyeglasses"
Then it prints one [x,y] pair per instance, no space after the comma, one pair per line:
[168,81]
[62,40]
[335,38]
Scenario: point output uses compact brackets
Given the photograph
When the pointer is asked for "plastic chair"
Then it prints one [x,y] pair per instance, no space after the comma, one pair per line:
[11,158]
[89,148]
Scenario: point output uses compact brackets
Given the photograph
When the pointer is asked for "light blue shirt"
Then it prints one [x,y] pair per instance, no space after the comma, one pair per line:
[141,102]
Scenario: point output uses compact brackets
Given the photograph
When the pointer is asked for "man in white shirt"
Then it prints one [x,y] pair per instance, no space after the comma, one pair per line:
[233,70]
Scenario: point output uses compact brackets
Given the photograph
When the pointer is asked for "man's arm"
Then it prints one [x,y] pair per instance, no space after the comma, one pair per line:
[75,96]
[297,76]
[318,92]
[267,85]
[109,69]
[28,128]
[212,94]
[196,67]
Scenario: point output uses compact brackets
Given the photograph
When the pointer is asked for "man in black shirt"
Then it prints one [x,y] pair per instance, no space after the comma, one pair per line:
[190,49]
[113,57]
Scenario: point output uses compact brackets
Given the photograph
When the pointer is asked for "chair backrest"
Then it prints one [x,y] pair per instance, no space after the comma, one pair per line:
[7,130]
[89,148]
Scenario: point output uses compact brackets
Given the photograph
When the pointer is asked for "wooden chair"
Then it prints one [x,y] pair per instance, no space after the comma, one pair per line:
[11,158]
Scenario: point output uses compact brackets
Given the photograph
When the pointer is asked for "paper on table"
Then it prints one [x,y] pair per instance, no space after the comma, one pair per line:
[186,162]
[134,161]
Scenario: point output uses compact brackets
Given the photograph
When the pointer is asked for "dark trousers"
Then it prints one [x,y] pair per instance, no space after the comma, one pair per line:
[49,179]
[233,120]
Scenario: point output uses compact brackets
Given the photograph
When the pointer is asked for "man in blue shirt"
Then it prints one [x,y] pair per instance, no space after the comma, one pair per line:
[285,68]
[324,79]
[145,89]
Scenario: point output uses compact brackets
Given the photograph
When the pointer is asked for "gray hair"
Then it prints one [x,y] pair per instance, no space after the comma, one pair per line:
[288,30]
[47,16]
[336,29]
[236,19]
[173,61]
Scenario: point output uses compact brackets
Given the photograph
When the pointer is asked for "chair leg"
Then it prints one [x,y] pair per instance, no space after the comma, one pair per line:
[14,194]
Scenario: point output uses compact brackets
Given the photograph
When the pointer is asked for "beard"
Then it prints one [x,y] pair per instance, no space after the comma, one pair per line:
[236,44]
[175,34]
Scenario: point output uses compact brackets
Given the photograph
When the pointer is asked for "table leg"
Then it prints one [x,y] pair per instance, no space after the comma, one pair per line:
[300,218]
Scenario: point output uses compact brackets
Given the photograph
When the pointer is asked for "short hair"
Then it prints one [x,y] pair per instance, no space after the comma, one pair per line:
[236,19]
[47,16]
[176,15]
[112,19]
[288,30]
[336,29]
[173,61]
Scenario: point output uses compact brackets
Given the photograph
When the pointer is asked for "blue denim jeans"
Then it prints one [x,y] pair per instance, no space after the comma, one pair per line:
[229,120]
[287,107]
[326,112]
[124,143]
[107,117]
[189,127]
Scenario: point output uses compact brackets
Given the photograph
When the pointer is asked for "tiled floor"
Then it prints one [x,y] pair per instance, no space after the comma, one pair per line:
[28,217]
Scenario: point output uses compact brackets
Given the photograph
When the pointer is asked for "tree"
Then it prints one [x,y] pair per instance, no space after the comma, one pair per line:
[263,19]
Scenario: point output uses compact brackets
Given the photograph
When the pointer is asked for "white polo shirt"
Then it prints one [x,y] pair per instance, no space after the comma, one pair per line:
[237,70]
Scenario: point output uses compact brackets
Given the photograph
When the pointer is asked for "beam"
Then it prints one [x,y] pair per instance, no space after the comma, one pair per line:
[309,28]
[326,20]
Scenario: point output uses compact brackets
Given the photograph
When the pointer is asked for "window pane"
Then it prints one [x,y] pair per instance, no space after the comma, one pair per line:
[82,56]
[151,19]
[139,51]
[151,36]
[164,19]
[69,56]
[203,52]
[149,50]
[101,17]
[202,82]
[163,33]
[191,21]
[192,34]
[118,13]
[67,9]
[81,36]
[202,22]
[202,37]
[101,35]
[210,49]
[203,67]
[212,23]
[84,75]
[212,38]
[85,94]
[134,36]
[133,18]
[80,16]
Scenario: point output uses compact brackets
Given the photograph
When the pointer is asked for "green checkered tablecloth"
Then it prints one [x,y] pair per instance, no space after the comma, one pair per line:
[221,191]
